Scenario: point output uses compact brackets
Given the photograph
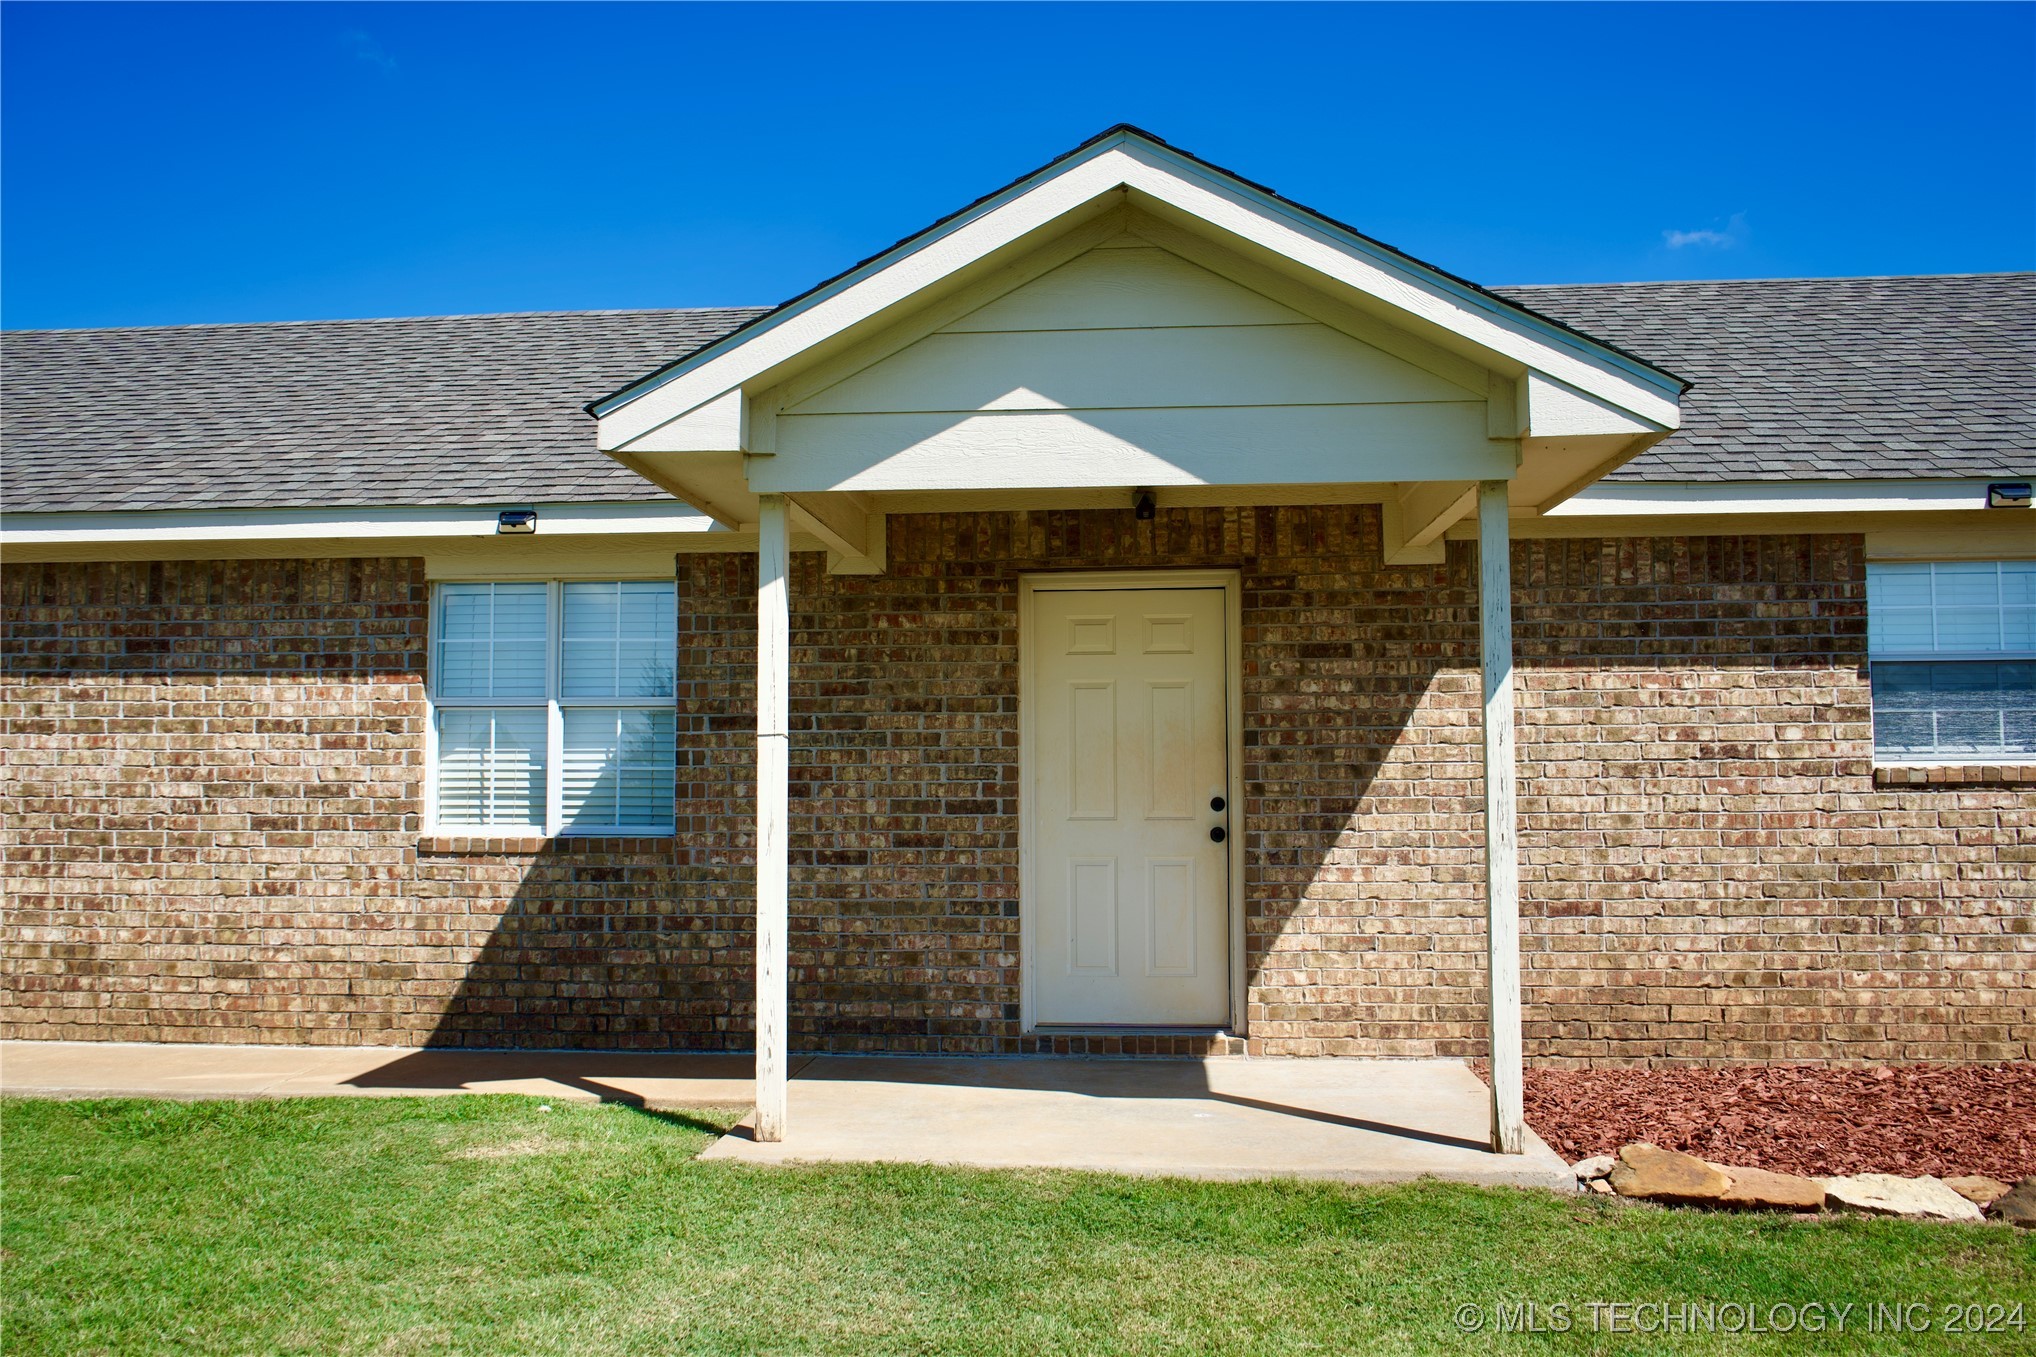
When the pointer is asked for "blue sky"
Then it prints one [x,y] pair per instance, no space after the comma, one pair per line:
[169,163]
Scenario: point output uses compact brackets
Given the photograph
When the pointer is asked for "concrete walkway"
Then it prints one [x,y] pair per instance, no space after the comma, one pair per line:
[1360,1121]
[1354,1120]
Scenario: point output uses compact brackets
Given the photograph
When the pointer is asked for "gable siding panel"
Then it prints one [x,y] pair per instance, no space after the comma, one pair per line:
[1099,369]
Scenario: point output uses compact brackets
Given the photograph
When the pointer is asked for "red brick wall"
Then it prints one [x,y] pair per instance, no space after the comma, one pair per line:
[211,836]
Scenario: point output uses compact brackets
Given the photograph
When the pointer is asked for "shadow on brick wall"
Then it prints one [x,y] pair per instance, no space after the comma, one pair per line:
[905,793]
[603,943]
[1363,880]
[213,773]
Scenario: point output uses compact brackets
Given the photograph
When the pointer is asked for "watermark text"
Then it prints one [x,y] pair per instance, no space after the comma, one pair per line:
[1740,1317]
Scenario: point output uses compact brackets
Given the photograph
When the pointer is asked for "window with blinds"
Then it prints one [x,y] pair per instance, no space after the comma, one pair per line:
[552,707]
[1952,660]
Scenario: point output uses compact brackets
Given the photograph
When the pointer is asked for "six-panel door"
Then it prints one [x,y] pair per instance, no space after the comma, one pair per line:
[1127,775]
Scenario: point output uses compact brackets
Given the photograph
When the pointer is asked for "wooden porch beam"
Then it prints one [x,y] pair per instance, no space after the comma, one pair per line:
[1502,847]
[773,739]
[852,531]
[1418,515]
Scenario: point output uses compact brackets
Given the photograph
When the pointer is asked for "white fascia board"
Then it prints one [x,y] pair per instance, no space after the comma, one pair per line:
[1128,161]
[282,525]
[720,425]
[1557,410]
[1688,498]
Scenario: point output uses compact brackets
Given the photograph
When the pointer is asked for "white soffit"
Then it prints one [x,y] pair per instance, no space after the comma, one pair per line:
[1080,186]
[318,525]
[1622,499]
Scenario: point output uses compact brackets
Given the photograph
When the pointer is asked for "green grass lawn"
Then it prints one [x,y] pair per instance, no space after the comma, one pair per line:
[487,1225]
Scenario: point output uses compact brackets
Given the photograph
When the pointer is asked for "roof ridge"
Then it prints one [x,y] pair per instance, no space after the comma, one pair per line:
[382,320]
[732,310]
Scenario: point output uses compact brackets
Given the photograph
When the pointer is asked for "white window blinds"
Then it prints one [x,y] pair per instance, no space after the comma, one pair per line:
[491,766]
[1952,660]
[618,639]
[618,767]
[553,707]
[491,640]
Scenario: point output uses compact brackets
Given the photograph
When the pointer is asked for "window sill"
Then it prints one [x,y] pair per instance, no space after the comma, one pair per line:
[2008,774]
[475,845]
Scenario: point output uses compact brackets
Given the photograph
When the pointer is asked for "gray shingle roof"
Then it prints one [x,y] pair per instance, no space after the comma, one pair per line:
[439,410]
[1821,378]
[1828,377]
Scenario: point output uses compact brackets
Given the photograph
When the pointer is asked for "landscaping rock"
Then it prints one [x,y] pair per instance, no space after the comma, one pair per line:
[1813,1120]
[1883,1194]
[1599,1186]
[2018,1205]
[1761,1190]
[1601,1166]
[1978,1189]
[1660,1175]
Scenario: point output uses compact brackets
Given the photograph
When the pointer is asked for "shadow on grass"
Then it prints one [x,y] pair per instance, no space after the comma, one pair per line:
[596,1074]
[669,1116]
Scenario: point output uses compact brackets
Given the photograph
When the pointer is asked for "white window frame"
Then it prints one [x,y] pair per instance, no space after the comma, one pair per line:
[554,704]
[1875,656]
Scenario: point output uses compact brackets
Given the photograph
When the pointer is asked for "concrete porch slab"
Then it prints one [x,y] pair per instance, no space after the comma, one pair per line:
[1360,1121]
[104,1069]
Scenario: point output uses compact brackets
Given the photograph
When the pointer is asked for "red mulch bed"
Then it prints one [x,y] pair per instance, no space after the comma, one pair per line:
[1807,1119]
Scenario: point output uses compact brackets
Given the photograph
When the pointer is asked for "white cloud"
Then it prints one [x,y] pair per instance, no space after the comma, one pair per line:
[365,48]
[1707,238]
[1681,239]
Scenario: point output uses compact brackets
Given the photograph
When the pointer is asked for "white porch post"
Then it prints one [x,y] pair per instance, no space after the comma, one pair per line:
[1502,846]
[773,713]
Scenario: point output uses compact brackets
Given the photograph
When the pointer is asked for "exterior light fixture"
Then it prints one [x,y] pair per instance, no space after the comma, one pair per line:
[516,520]
[2008,495]
[1143,506]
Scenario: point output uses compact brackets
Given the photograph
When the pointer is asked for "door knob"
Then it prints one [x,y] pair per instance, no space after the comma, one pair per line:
[1216,834]
[1216,803]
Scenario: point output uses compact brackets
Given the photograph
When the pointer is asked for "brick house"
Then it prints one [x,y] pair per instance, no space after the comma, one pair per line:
[1134,615]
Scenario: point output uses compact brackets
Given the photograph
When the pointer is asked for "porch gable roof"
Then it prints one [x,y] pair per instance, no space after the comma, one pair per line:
[737,417]
[1116,138]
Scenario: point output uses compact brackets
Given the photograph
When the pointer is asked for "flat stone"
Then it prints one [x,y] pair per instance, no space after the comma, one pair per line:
[1978,1189]
[1884,1194]
[1762,1190]
[1659,1175]
[1599,1186]
[2018,1205]
[1601,1166]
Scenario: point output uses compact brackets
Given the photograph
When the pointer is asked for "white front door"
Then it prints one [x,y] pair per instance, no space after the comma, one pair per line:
[1127,775]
